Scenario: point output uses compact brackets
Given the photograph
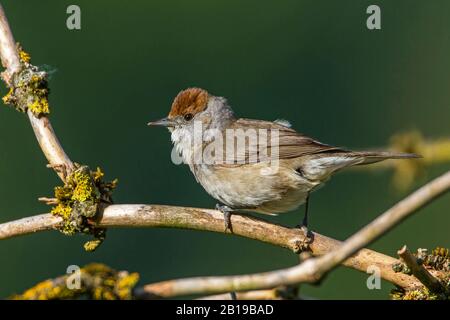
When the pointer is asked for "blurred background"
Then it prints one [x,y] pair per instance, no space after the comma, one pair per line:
[312,62]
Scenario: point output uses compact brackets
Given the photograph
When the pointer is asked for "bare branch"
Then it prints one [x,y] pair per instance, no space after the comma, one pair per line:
[212,220]
[43,130]
[8,51]
[270,294]
[419,271]
[279,293]
[50,145]
[313,269]
[29,225]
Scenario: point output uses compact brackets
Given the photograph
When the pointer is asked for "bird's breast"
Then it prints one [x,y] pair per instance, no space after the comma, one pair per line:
[256,187]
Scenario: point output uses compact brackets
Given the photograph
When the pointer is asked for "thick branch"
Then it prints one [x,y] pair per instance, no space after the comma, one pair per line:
[420,272]
[212,220]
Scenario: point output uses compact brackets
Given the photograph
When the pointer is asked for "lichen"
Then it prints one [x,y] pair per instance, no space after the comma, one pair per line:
[79,201]
[8,97]
[438,260]
[28,88]
[48,290]
[416,294]
[97,281]
[401,267]
[99,237]
[111,284]
[39,106]
[24,56]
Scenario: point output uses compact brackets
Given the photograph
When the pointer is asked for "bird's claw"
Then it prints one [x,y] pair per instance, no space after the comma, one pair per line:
[303,245]
[227,211]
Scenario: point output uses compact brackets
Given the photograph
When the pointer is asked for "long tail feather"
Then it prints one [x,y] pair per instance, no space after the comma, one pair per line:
[376,156]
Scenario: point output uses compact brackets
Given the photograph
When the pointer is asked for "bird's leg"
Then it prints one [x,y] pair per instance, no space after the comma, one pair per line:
[304,227]
[233,295]
[227,211]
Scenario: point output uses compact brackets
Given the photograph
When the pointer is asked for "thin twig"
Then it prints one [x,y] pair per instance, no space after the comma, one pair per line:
[312,269]
[419,271]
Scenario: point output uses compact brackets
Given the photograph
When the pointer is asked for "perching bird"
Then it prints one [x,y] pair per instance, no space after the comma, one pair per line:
[261,175]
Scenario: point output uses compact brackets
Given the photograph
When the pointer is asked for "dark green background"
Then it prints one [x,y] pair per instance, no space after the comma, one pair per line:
[312,62]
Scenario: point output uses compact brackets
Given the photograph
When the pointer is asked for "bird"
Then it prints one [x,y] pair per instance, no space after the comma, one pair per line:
[272,174]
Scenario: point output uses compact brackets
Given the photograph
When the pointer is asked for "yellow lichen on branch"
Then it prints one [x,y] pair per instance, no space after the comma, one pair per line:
[29,88]
[96,281]
[24,56]
[80,200]
[437,260]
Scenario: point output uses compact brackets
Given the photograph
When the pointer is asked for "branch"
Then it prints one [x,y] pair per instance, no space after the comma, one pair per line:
[42,127]
[279,293]
[8,51]
[212,220]
[433,284]
[269,294]
[313,269]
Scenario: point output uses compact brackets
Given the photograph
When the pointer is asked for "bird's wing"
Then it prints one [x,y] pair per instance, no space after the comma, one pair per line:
[291,144]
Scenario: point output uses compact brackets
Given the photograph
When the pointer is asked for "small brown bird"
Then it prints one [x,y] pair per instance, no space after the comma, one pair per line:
[262,176]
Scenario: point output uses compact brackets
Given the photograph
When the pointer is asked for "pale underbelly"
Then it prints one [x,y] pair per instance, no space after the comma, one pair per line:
[238,188]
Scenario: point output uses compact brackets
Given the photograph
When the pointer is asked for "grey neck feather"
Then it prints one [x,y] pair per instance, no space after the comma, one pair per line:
[219,112]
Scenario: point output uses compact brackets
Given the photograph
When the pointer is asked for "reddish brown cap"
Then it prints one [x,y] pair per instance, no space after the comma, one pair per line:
[191,100]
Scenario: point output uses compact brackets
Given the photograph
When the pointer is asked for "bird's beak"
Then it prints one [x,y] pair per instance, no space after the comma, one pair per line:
[164,122]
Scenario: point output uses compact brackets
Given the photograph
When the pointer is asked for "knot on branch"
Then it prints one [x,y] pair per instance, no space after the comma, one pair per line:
[93,281]
[28,89]
[438,261]
[80,201]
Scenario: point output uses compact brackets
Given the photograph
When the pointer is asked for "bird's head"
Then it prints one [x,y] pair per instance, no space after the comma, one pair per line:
[196,105]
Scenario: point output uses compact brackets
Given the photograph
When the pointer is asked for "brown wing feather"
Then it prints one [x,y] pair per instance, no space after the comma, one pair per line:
[291,143]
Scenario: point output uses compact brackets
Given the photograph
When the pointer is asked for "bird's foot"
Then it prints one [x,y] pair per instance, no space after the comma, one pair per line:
[227,211]
[308,237]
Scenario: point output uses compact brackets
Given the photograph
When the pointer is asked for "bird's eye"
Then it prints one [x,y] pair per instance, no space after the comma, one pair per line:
[188,116]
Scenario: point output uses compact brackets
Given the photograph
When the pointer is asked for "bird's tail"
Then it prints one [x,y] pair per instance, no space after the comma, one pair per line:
[323,165]
[376,156]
